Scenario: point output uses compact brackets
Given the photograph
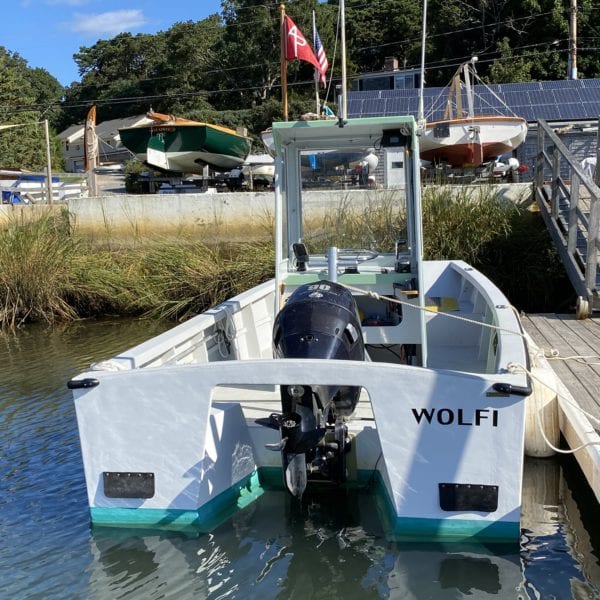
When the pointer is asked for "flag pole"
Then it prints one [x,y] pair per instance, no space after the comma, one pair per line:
[317,80]
[284,98]
[343,49]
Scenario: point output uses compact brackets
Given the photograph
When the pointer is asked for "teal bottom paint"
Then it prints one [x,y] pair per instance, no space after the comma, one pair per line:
[206,518]
[454,530]
[225,505]
[433,530]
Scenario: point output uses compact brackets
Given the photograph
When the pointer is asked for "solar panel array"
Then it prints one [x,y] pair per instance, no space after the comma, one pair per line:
[567,100]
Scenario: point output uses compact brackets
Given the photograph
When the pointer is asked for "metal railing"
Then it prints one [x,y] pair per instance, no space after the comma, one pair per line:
[569,201]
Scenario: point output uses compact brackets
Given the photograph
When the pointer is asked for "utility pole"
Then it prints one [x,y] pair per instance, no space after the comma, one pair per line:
[572,74]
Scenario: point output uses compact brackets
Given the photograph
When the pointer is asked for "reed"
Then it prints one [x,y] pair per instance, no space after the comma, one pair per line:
[377,222]
[461,224]
[166,279]
[48,274]
[35,269]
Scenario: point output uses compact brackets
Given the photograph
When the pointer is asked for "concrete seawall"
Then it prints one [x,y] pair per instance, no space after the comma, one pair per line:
[233,215]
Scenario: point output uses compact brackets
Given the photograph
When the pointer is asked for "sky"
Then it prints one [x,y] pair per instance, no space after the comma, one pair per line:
[47,33]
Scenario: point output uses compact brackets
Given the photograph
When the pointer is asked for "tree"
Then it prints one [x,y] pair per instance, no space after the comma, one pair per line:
[23,146]
[122,72]
[249,54]
[48,93]
[386,28]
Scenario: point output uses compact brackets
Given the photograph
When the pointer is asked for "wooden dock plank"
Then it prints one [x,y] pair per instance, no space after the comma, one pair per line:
[552,331]
[578,383]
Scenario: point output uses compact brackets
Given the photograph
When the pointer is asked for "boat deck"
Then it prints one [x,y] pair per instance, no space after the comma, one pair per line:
[577,366]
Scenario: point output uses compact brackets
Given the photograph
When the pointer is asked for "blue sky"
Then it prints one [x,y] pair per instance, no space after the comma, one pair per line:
[46,33]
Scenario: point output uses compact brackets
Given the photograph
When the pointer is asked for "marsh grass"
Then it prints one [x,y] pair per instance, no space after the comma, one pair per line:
[460,225]
[35,269]
[378,222]
[49,274]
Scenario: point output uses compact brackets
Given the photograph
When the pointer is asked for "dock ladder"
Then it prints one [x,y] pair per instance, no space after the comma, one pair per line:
[569,201]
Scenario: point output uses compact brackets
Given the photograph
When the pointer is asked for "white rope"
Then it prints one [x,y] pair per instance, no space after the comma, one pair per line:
[514,367]
[377,296]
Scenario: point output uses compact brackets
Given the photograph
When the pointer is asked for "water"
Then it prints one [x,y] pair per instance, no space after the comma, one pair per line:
[329,548]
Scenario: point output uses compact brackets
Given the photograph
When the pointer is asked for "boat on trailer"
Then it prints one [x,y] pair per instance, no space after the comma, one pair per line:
[179,145]
[351,366]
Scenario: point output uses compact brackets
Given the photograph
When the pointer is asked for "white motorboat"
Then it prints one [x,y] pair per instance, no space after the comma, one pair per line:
[350,367]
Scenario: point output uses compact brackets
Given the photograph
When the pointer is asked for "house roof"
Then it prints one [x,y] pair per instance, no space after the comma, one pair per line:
[106,130]
[565,100]
[110,129]
[71,133]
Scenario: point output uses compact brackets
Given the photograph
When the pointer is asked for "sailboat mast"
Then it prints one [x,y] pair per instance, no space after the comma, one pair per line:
[421,112]
[343,44]
[468,85]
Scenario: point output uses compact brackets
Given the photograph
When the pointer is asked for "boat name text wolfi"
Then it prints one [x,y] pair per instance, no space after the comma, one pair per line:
[448,416]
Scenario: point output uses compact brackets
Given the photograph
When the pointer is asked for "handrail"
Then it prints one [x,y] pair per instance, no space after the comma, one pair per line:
[569,223]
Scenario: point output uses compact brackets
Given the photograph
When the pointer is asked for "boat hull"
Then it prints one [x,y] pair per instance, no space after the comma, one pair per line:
[471,141]
[444,447]
[186,148]
[188,426]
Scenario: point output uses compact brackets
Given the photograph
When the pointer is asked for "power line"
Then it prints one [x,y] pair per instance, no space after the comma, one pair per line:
[137,99]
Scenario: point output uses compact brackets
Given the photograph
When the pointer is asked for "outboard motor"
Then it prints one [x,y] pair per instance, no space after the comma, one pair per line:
[319,320]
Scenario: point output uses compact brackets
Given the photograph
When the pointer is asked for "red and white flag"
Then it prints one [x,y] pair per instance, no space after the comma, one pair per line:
[296,46]
[321,57]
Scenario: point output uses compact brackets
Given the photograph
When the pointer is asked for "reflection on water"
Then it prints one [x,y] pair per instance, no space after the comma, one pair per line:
[329,547]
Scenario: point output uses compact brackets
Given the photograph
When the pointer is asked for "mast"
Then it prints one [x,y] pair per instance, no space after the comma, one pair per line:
[343,43]
[284,97]
[421,113]
[90,149]
[468,85]
[48,163]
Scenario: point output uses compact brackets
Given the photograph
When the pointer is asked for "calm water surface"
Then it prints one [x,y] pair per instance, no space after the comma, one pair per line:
[328,548]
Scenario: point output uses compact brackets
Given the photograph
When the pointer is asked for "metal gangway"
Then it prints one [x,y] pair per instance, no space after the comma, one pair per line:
[569,200]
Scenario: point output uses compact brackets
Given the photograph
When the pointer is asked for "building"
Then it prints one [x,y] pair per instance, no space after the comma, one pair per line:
[110,148]
[391,78]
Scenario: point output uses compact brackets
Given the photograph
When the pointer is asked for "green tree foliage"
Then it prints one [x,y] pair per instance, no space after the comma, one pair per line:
[381,29]
[48,93]
[23,146]
[249,58]
[226,68]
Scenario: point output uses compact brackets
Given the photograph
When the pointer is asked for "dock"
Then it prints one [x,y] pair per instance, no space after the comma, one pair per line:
[572,348]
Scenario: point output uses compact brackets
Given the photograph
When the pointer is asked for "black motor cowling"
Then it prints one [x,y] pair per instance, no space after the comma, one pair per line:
[320,320]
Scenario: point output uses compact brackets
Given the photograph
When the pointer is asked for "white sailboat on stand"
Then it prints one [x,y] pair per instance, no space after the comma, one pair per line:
[463,138]
[351,367]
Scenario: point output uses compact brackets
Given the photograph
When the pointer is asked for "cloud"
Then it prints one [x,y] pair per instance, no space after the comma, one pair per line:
[108,23]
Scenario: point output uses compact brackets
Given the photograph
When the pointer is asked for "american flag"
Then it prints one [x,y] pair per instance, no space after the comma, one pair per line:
[321,57]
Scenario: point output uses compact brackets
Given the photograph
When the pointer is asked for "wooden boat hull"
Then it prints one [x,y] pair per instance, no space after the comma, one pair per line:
[186,147]
[471,141]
